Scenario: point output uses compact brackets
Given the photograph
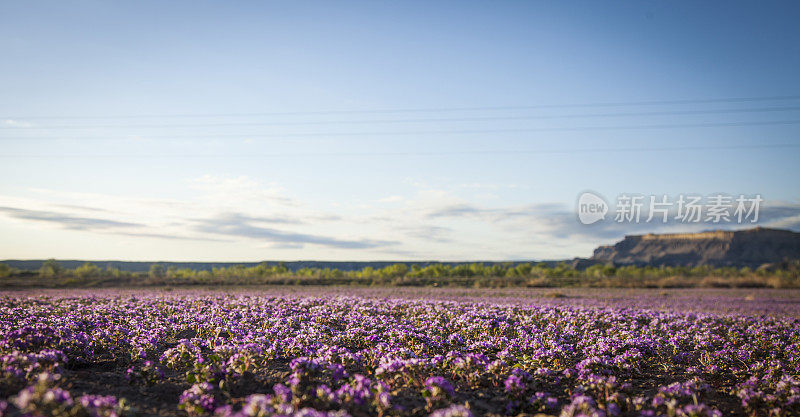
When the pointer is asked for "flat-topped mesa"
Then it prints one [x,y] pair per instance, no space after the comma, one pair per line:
[753,248]
[714,234]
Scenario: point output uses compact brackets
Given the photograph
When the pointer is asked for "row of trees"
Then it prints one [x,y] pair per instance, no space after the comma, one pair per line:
[509,274]
[52,268]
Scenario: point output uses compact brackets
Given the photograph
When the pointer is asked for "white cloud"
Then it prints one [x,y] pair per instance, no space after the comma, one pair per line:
[391,199]
[490,186]
[16,123]
[258,220]
[238,191]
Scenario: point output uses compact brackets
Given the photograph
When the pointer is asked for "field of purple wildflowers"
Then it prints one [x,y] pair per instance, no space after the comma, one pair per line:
[207,353]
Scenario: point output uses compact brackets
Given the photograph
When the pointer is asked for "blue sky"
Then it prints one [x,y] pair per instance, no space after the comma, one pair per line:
[282,130]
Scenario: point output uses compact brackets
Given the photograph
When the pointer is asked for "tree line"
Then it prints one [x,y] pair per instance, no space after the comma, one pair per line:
[510,274]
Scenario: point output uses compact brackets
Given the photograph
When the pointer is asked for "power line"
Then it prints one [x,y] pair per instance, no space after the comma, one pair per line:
[431,132]
[424,120]
[428,109]
[431,153]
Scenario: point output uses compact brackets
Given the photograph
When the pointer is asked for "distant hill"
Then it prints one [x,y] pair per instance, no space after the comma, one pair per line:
[33,265]
[751,248]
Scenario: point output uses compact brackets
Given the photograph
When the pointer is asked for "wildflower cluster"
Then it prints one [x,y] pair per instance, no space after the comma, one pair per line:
[256,356]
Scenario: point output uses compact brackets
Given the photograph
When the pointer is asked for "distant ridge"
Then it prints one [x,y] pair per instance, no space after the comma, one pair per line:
[743,248]
[144,266]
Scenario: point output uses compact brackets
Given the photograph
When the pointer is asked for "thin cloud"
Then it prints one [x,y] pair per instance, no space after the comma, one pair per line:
[495,214]
[16,123]
[490,186]
[429,233]
[243,218]
[391,199]
[241,189]
[458,210]
[65,220]
[82,208]
[232,224]
[92,224]
[168,237]
[558,221]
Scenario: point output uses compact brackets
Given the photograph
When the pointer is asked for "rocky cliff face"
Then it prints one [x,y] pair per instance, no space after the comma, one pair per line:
[752,248]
